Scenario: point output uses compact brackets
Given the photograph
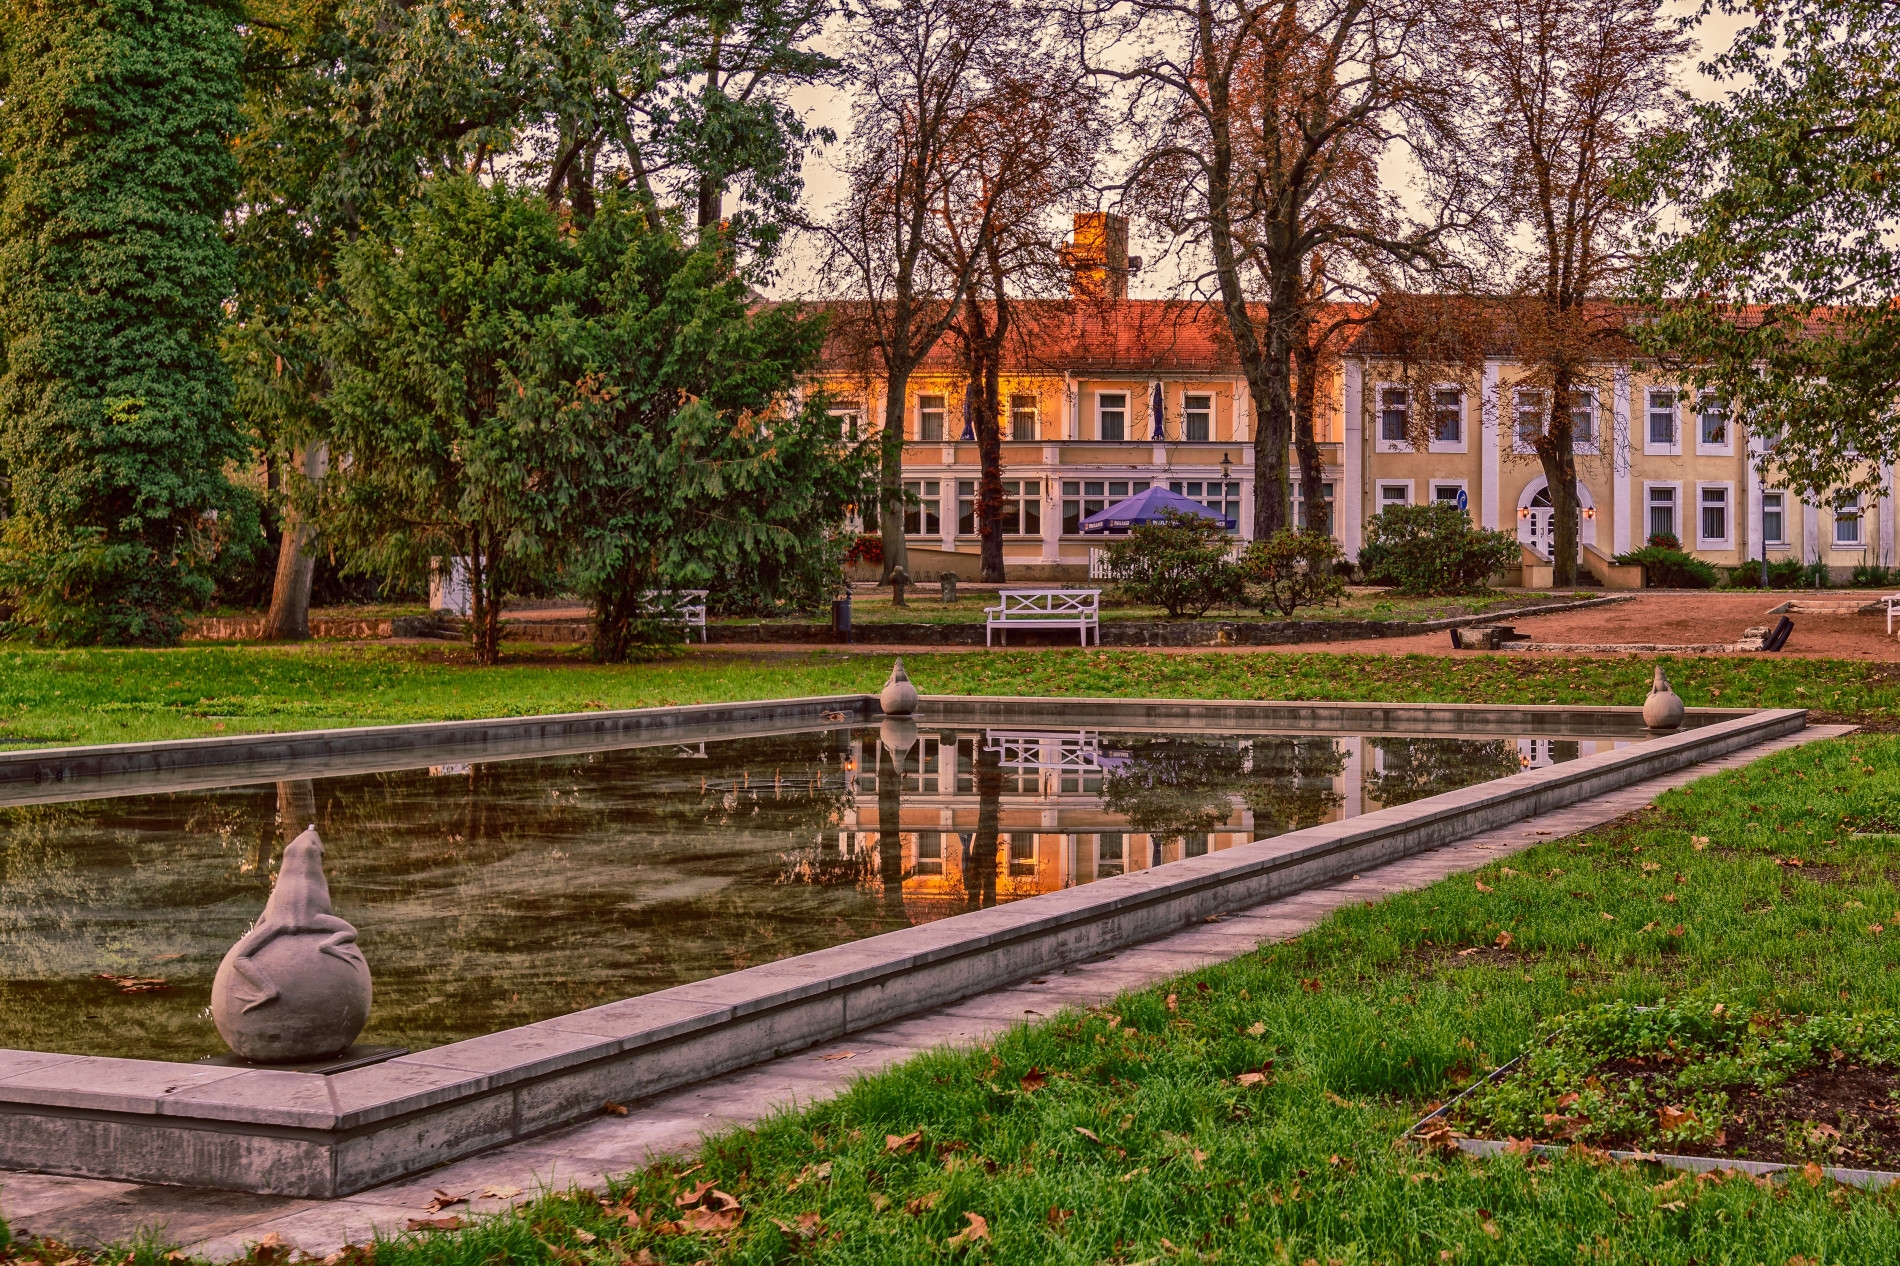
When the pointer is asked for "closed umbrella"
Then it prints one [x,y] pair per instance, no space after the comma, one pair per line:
[969,413]
[1154,411]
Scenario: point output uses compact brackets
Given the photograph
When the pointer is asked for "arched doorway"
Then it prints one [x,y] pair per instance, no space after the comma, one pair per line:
[1536,518]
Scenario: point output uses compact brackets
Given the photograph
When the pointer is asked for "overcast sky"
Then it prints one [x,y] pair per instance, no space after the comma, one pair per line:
[828,106]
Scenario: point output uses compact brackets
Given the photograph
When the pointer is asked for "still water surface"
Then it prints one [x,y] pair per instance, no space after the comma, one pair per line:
[494,894]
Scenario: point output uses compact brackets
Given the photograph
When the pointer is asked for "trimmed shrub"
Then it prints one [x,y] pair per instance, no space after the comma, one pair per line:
[1873,576]
[1293,569]
[1179,564]
[867,548]
[1671,568]
[1433,549]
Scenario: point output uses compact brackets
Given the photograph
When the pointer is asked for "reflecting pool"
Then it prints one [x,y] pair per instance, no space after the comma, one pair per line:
[492,894]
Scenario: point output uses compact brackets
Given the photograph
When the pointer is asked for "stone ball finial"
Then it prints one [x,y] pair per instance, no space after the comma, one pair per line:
[899,697]
[1663,709]
[295,987]
[899,735]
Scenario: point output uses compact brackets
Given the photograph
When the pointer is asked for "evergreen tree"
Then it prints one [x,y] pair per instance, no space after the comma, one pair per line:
[115,172]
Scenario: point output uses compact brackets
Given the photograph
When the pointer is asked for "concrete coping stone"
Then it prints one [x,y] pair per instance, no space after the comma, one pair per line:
[1871,1178]
[425,1079]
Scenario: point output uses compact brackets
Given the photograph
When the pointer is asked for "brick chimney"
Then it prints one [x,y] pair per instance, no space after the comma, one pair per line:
[1099,256]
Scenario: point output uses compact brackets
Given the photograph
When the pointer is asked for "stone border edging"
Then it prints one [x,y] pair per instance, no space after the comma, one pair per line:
[302,1134]
[1871,1178]
[37,766]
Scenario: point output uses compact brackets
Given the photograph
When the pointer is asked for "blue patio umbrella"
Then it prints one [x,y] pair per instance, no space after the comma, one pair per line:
[1154,411]
[1149,506]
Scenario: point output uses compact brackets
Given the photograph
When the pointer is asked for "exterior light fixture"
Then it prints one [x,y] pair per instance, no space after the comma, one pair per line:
[1589,512]
[1226,463]
[1523,512]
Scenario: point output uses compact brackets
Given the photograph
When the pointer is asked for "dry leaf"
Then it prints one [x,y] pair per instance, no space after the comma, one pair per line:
[1256,1029]
[1674,1117]
[1504,940]
[1490,1229]
[838,1055]
[500,1193]
[1056,1217]
[978,1229]
[443,1200]
[450,1223]
[1088,1134]
[1252,1079]
[1481,886]
[617,1109]
[901,1143]
[1812,1172]
[273,1240]
[1651,926]
[585,1237]
[1608,917]
[880,1201]
[707,1220]
[693,1195]
[923,1204]
[1034,1080]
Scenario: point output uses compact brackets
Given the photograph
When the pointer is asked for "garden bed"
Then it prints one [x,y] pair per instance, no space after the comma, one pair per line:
[1702,1078]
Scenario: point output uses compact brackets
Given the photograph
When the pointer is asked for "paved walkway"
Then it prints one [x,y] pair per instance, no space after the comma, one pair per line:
[220,1224]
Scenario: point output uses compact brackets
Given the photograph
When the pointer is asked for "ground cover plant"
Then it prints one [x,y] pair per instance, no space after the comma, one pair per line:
[1248,1112]
[107,696]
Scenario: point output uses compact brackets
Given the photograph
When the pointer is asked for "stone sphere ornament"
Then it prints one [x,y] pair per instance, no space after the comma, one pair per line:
[295,988]
[899,697]
[1663,709]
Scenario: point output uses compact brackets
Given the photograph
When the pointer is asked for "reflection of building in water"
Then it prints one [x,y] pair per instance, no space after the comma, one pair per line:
[992,815]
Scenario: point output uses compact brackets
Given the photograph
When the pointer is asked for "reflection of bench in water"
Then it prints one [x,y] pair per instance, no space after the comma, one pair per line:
[1051,749]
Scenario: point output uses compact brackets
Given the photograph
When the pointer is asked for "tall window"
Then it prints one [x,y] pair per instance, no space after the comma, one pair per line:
[1084,497]
[1022,418]
[1197,419]
[1022,507]
[1774,526]
[1209,492]
[1394,414]
[848,417]
[1847,522]
[1022,853]
[922,519]
[1662,511]
[1319,518]
[1715,514]
[1713,412]
[930,419]
[1662,418]
[1448,415]
[1529,407]
[1583,417]
[1108,853]
[929,853]
[1112,414]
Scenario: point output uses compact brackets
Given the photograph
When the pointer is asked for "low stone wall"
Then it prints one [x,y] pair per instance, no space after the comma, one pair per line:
[329,628]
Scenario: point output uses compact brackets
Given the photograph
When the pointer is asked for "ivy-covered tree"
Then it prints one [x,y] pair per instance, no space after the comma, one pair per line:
[602,404]
[1772,273]
[115,172]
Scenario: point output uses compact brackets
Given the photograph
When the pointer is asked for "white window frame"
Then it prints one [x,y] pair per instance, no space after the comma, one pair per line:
[1728,505]
[1595,446]
[1122,409]
[1378,493]
[1381,443]
[1663,450]
[1463,485]
[1859,520]
[1780,542]
[1676,486]
[1462,443]
[1035,411]
[1517,439]
[1713,450]
[1212,411]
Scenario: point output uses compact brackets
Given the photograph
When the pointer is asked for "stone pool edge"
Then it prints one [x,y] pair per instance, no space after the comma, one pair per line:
[306,1135]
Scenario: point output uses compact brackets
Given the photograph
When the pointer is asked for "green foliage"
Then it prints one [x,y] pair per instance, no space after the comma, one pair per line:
[1179,564]
[603,404]
[1294,568]
[1665,568]
[115,172]
[1433,549]
[1769,266]
[1874,576]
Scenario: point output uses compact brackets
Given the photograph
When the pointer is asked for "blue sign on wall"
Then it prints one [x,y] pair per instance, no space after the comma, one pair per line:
[1464,502]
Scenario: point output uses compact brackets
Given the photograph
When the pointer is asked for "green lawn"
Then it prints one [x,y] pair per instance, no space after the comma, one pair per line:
[1249,1112]
[61,697]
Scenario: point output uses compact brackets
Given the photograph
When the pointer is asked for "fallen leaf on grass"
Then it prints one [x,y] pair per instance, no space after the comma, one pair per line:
[443,1200]
[1252,1079]
[1336,1101]
[1504,940]
[1088,1134]
[585,1237]
[1651,926]
[978,1229]
[1490,1228]
[898,1144]
[1256,1029]
[1481,886]
[1033,1080]
[1056,1217]
[1674,1117]
[712,1221]
[806,1226]
[922,1204]
[450,1223]
[811,1173]
[135,984]
[1312,984]
[880,1201]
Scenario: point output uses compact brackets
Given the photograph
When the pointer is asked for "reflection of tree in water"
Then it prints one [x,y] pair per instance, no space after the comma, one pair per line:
[1414,768]
[1291,786]
[1179,786]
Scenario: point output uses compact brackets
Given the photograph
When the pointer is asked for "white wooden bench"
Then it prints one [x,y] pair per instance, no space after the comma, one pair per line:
[1079,609]
[686,606]
[1892,603]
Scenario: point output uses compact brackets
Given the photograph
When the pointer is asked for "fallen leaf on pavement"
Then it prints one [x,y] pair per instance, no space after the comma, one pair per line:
[443,1200]
[500,1193]
[617,1109]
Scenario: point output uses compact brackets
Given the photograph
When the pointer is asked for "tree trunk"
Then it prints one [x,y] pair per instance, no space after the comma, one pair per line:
[890,477]
[1312,470]
[484,593]
[979,869]
[890,838]
[1273,435]
[1557,454]
[289,617]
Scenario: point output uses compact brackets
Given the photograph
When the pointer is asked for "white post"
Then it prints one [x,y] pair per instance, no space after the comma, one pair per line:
[1620,467]
[1348,512]
[1489,456]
